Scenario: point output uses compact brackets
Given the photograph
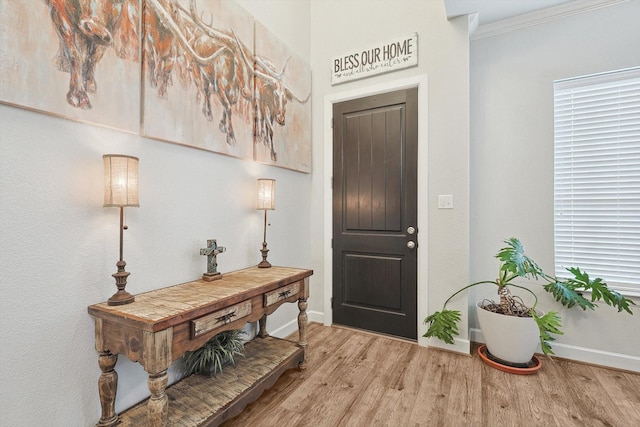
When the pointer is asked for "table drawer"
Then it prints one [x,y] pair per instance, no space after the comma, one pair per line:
[280,294]
[219,318]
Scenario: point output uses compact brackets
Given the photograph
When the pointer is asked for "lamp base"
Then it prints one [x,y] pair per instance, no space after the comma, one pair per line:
[264,263]
[121,297]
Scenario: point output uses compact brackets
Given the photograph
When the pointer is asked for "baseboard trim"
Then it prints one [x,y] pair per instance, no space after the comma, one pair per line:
[459,345]
[591,356]
[292,326]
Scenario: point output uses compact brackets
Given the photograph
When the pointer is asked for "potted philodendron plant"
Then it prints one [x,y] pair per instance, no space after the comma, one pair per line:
[219,351]
[529,325]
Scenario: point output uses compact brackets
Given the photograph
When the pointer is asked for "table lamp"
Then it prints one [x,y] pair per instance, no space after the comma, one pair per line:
[120,190]
[266,201]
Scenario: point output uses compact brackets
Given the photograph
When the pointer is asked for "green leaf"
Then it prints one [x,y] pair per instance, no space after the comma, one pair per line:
[599,290]
[215,353]
[516,262]
[548,324]
[443,325]
[566,294]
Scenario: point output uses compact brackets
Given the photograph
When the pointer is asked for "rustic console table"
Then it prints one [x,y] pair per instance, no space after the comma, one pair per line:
[161,325]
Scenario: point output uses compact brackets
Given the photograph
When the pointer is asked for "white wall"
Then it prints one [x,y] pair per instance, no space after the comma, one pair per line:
[59,246]
[512,156]
[340,27]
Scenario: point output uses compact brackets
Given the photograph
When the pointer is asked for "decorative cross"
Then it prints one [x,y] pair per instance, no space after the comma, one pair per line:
[211,251]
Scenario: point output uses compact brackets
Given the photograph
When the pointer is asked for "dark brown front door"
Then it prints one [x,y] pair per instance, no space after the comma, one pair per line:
[375,148]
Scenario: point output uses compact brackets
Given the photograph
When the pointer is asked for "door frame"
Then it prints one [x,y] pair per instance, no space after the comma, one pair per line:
[420,81]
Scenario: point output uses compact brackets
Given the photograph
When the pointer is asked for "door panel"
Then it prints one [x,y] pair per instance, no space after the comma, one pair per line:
[374,201]
[366,278]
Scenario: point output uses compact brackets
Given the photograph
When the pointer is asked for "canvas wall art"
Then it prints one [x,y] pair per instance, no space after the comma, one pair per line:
[198,74]
[77,59]
[282,104]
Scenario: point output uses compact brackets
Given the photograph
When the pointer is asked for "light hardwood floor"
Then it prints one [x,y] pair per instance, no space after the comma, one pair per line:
[359,379]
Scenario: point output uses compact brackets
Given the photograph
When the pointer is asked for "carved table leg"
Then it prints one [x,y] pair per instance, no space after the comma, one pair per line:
[107,387]
[262,333]
[158,405]
[302,330]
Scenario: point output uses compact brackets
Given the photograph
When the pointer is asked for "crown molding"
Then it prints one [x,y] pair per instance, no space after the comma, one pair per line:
[540,16]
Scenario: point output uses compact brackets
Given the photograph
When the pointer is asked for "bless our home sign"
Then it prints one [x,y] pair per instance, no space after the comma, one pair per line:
[382,58]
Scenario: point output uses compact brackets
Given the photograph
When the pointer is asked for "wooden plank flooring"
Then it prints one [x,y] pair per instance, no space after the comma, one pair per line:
[359,379]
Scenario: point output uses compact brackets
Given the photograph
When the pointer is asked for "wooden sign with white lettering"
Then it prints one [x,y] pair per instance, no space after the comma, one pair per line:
[382,58]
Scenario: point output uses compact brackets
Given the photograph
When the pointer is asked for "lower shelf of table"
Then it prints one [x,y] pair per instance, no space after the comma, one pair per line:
[208,401]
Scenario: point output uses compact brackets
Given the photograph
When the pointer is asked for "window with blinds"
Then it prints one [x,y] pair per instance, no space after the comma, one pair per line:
[597,177]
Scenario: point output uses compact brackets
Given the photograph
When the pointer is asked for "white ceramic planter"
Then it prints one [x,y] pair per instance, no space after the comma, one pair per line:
[512,339]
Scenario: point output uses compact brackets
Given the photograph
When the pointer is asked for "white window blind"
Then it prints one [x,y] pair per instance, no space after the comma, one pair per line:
[597,177]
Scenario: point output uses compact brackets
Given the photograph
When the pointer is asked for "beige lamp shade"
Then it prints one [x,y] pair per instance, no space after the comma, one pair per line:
[120,180]
[266,194]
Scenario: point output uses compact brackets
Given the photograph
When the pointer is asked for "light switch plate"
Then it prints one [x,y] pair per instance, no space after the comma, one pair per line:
[445,201]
